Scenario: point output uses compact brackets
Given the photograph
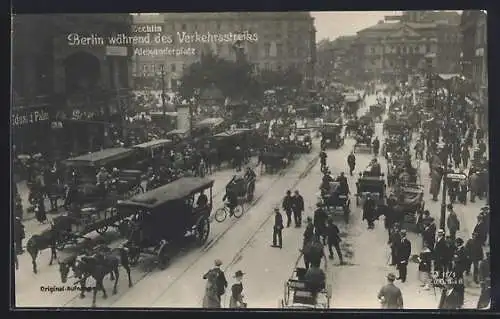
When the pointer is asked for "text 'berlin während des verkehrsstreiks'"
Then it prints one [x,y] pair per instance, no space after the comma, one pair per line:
[77,39]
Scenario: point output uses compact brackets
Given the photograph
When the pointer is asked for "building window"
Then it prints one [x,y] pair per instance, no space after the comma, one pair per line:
[267,49]
[372,50]
[172,67]
[183,27]
[278,67]
[218,25]
[279,50]
[183,66]
[266,66]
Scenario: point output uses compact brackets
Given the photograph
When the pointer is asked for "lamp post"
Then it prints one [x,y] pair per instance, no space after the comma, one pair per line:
[163,104]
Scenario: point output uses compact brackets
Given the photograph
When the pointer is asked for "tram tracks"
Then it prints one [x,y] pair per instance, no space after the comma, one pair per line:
[204,250]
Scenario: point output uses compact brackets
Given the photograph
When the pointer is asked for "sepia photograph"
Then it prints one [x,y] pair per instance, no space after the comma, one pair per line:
[272,160]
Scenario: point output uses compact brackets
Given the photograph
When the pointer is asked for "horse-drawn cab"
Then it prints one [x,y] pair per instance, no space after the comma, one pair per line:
[331,135]
[407,201]
[335,199]
[177,136]
[352,104]
[150,152]
[209,127]
[243,186]
[370,184]
[303,139]
[168,218]
[302,294]
[83,170]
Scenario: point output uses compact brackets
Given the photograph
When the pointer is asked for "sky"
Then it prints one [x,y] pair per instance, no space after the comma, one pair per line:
[333,24]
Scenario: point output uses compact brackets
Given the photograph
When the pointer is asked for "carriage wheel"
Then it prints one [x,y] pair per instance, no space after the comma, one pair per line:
[221,214]
[202,231]
[101,230]
[238,211]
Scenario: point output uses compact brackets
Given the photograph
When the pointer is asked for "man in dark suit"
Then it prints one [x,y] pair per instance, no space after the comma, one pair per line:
[440,253]
[286,204]
[403,255]
[334,240]
[449,298]
[389,295]
[394,240]
[277,229]
[297,208]
[429,232]
[481,230]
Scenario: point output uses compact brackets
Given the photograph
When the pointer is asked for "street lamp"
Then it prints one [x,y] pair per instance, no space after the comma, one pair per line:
[448,80]
[164,105]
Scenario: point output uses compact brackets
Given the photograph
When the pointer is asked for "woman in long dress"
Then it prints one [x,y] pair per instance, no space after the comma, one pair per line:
[236,300]
[211,298]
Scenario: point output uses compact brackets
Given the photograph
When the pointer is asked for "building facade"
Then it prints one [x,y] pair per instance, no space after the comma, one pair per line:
[395,50]
[63,70]
[274,40]
[474,59]
[335,58]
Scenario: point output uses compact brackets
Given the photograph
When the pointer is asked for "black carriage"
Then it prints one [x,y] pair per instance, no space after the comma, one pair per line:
[209,126]
[394,126]
[275,159]
[178,136]
[334,200]
[229,140]
[457,187]
[377,110]
[150,152]
[83,170]
[168,218]
[331,135]
[352,104]
[407,201]
[374,186]
[303,140]
[363,141]
[243,187]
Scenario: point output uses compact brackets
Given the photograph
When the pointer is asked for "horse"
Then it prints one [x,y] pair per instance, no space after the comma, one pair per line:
[312,251]
[105,261]
[46,239]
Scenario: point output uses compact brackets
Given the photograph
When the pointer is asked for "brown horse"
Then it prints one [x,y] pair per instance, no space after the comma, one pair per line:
[106,261]
[37,243]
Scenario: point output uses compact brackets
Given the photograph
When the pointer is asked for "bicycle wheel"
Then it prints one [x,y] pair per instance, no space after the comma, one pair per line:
[238,211]
[220,215]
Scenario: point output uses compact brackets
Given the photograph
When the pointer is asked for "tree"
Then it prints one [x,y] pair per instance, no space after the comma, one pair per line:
[232,78]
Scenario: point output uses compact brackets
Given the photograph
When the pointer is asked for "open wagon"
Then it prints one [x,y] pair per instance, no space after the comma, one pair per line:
[168,218]
[299,293]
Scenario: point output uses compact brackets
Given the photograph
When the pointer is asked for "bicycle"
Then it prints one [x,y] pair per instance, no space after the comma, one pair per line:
[222,213]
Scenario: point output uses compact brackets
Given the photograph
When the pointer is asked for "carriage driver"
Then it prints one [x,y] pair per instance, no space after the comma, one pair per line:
[375,169]
[250,174]
[102,179]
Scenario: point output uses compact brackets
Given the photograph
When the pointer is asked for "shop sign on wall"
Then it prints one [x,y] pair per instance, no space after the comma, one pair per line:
[21,118]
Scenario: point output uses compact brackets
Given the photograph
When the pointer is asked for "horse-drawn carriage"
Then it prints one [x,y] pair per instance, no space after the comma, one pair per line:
[167,219]
[407,201]
[352,104]
[228,141]
[302,294]
[335,200]
[303,140]
[331,135]
[363,141]
[395,126]
[370,184]
[243,186]
[83,170]
[149,152]
[377,110]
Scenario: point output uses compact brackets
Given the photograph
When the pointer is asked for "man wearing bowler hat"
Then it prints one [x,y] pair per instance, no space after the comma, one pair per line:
[403,255]
[389,295]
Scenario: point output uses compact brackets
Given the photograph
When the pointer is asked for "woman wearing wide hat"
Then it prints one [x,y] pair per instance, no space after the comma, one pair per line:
[236,300]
